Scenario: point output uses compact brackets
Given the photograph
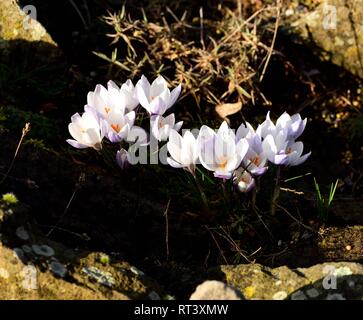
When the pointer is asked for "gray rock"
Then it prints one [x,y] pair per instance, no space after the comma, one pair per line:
[336,27]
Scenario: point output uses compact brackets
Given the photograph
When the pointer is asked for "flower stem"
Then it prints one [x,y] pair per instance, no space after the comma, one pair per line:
[201,192]
[276,191]
[254,196]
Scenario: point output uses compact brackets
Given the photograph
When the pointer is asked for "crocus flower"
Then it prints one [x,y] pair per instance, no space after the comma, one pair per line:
[274,147]
[122,158]
[255,160]
[294,152]
[126,94]
[118,125]
[160,126]
[156,98]
[279,144]
[243,180]
[183,150]
[113,98]
[219,151]
[86,131]
[294,125]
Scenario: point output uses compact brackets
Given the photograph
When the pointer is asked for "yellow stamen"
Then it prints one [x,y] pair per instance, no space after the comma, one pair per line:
[256,161]
[223,163]
[116,127]
[107,109]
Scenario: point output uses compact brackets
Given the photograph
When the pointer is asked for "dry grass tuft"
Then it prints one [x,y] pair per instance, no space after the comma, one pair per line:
[218,60]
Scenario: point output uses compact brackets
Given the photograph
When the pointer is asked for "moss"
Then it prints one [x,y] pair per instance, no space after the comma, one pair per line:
[104,259]
[9,198]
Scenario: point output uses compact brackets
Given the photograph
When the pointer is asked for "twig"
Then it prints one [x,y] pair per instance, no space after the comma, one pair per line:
[296,220]
[292,191]
[201,27]
[238,249]
[276,192]
[79,14]
[78,185]
[167,230]
[25,130]
[217,244]
[273,40]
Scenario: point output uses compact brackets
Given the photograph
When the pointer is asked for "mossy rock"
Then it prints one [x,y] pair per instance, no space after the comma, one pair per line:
[20,32]
[331,281]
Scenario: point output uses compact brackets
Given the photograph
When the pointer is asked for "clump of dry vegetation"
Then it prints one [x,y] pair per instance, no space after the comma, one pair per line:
[218,60]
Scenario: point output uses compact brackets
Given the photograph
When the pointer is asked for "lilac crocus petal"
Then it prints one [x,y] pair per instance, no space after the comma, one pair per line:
[222,175]
[174,95]
[76,144]
[267,127]
[259,171]
[301,160]
[173,163]
[243,180]
[245,131]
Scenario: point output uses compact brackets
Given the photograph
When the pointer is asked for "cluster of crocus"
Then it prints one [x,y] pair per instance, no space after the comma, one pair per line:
[243,155]
[111,112]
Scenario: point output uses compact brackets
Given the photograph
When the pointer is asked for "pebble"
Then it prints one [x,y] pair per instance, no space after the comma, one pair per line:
[43,250]
[26,248]
[312,293]
[280,295]
[153,295]
[22,233]
[137,271]
[58,269]
[298,295]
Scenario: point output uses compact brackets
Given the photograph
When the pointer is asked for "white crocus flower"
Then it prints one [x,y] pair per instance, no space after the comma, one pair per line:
[156,98]
[118,125]
[219,151]
[86,131]
[294,125]
[126,94]
[103,101]
[113,98]
[183,150]
[279,144]
[160,126]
